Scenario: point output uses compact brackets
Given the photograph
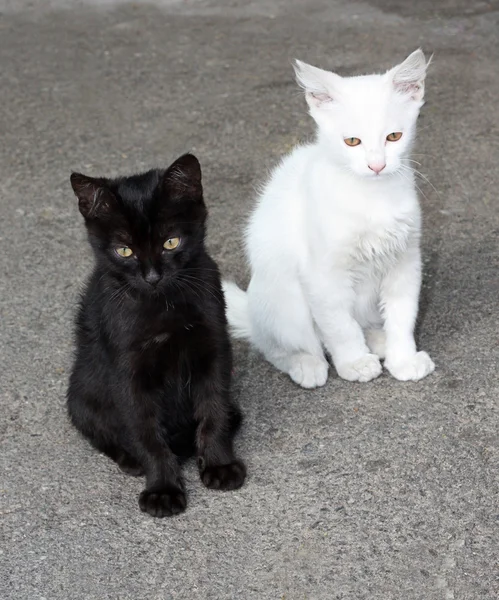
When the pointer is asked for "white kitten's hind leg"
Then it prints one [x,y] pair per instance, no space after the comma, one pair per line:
[368,315]
[376,340]
[363,369]
[283,330]
[306,370]
[332,301]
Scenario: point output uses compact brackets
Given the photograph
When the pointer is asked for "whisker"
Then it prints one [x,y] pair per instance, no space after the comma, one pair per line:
[424,177]
[402,171]
[412,160]
[203,285]
[189,287]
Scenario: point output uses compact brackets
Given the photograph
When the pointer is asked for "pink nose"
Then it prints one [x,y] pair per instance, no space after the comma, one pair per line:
[377,167]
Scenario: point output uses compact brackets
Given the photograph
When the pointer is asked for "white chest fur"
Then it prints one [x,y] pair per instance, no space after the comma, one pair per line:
[380,243]
[367,243]
[363,222]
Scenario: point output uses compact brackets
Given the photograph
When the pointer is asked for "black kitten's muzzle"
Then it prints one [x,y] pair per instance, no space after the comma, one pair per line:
[152,277]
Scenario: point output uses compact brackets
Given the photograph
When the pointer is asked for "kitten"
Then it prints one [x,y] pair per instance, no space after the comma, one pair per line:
[151,378]
[333,243]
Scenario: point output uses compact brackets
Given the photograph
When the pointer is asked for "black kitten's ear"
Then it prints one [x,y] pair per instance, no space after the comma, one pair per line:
[95,200]
[182,179]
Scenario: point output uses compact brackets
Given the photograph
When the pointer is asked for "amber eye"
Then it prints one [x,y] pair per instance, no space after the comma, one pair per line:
[171,243]
[394,137]
[124,252]
[352,141]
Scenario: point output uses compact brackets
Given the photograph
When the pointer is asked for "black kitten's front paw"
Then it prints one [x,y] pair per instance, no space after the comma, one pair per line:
[224,477]
[163,503]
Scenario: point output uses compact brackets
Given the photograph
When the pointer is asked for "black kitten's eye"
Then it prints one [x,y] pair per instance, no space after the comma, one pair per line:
[124,252]
[171,243]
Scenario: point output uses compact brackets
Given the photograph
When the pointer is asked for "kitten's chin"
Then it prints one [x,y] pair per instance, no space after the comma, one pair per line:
[147,291]
[370,176]
[367,174]
[385,174]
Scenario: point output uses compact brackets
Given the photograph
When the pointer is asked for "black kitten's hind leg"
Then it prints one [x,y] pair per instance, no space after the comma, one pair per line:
[106,442]
[125,461]
[129,465]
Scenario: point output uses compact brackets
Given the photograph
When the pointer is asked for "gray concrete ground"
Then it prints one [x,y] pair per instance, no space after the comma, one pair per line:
[370,491]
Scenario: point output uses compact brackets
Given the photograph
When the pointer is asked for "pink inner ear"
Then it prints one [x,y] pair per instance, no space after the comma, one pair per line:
[405,87]
[320,98]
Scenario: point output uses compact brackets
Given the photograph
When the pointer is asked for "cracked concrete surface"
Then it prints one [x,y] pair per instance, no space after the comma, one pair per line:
[369,491]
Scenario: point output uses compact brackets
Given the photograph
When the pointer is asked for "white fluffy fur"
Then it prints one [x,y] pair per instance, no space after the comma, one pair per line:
[334,246]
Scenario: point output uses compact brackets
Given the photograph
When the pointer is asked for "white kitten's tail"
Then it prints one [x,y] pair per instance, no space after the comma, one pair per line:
[237,310]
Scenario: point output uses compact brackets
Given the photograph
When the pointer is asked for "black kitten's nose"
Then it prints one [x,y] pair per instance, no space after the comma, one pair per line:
[152,277]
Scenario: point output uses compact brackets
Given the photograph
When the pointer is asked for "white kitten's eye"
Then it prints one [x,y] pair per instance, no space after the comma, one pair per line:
[171,243]
[352,141]
[394,137]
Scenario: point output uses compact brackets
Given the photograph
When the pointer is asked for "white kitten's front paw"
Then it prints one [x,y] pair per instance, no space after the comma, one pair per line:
[308,371]
[363,369]
[413,369]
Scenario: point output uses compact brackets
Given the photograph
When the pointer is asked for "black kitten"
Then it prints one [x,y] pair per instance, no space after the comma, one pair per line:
[151,379]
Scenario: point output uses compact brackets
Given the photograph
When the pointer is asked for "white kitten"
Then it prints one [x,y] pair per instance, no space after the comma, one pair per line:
[333,243]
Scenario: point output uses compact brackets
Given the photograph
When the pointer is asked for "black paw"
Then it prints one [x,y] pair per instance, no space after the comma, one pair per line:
[163,503]
[129,465]
[224,477]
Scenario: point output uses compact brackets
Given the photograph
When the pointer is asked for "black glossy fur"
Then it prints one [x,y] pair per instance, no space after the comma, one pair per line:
[151,378]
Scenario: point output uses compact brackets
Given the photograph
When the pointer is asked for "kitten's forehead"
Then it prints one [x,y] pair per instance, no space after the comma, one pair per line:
[138,189]
[369,103]
[367,91]
[139,202]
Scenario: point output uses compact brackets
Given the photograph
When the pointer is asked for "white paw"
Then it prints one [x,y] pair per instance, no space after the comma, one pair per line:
[376,340]
[308,371]
[363,369]
[413,369]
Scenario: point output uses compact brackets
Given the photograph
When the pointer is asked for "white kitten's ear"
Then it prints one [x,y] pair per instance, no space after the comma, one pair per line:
[408,77]
[319,85]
